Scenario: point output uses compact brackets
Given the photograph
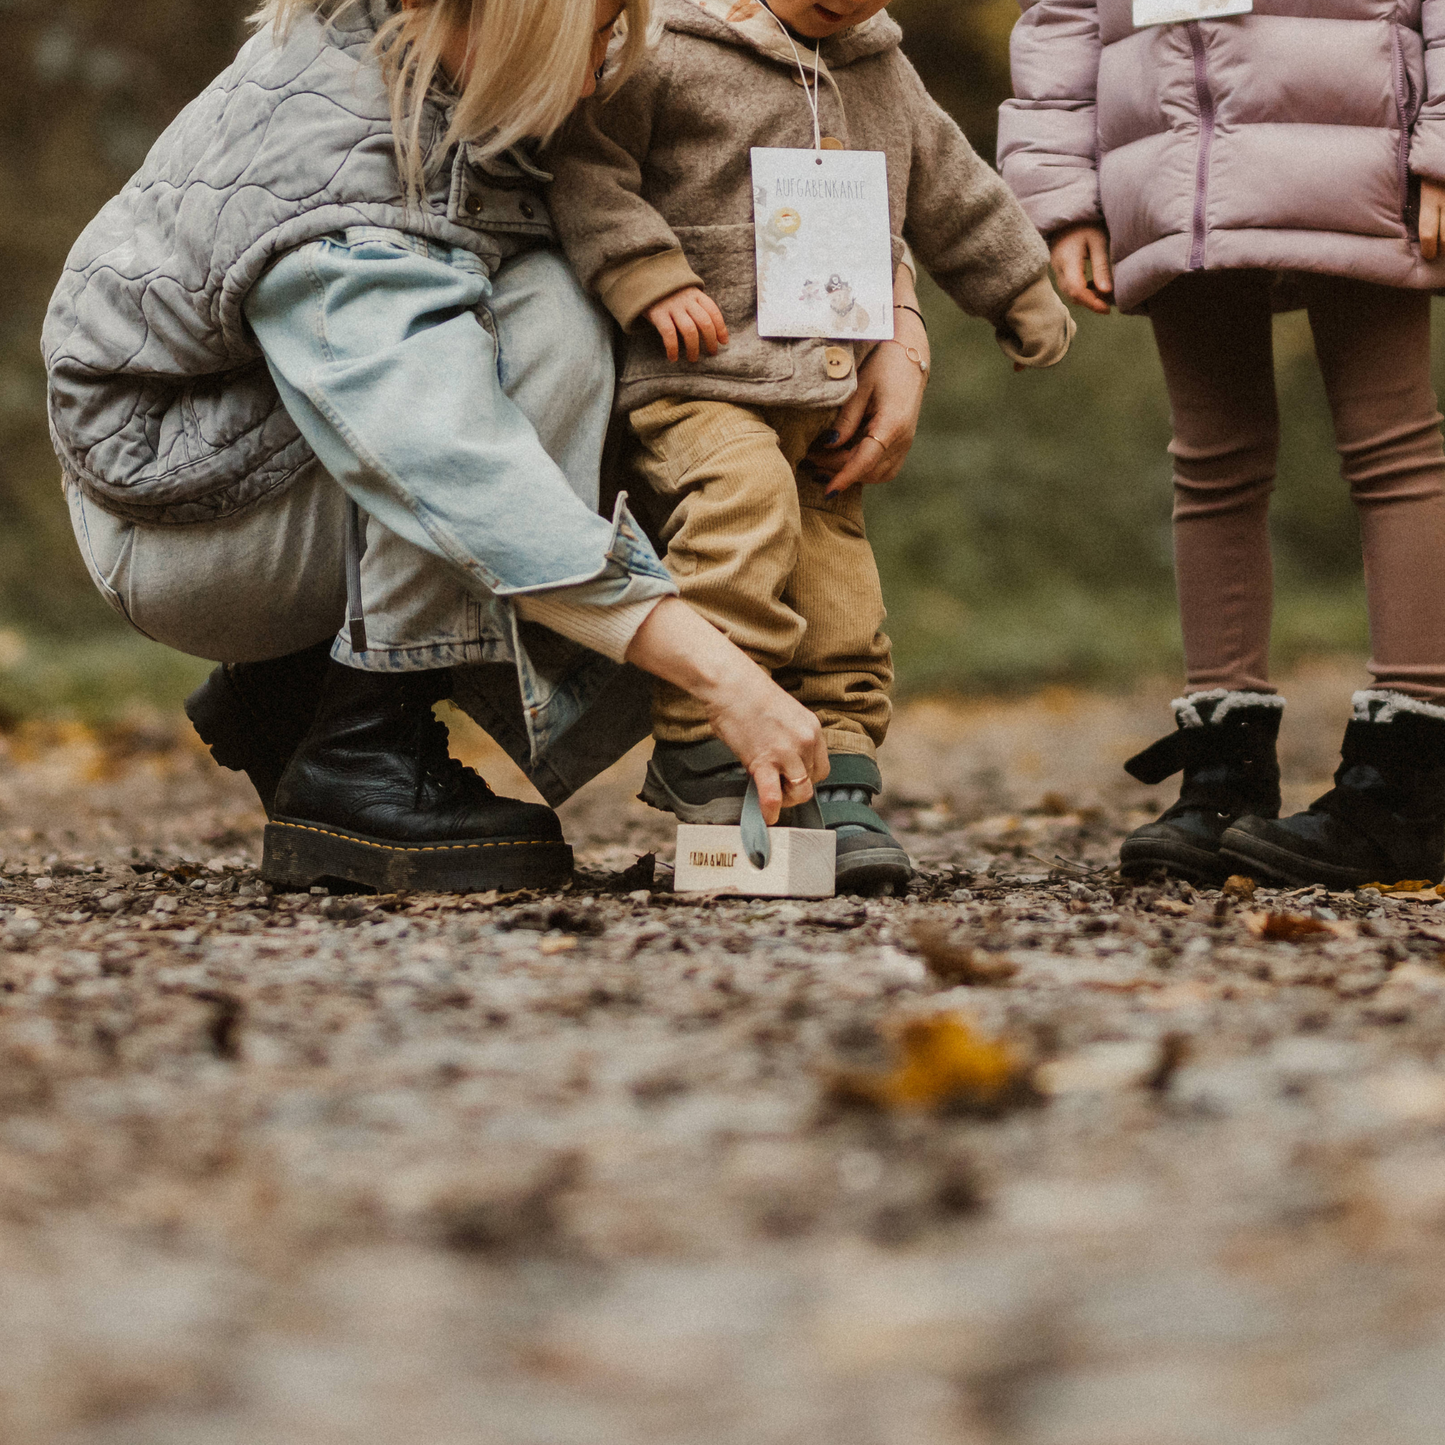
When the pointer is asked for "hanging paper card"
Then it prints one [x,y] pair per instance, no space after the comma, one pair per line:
[1177,12]
[825,249]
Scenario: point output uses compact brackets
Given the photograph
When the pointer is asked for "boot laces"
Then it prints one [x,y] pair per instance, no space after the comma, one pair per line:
[432,745]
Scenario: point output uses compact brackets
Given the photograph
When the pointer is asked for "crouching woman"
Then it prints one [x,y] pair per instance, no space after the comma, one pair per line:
[330,410]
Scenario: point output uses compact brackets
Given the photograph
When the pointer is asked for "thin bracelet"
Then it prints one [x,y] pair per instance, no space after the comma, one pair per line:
[900,307]
[914,355]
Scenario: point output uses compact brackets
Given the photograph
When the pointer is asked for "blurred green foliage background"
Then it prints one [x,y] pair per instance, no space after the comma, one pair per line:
[1027,542]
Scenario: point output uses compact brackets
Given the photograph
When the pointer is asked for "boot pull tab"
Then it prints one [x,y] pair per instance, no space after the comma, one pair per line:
[1165,758]
[756,842]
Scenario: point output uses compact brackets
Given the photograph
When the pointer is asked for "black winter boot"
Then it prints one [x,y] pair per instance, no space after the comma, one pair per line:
[253,715]
[1382,822]
[1225,744]
[373,797]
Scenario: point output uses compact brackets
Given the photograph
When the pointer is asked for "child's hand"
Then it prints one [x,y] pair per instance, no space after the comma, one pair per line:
[692,315]
[1432,218]
[1077,251]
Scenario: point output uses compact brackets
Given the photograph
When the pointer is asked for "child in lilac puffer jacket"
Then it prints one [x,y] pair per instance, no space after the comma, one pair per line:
[1209,162]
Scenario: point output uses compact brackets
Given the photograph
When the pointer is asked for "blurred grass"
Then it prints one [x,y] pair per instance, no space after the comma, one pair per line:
[94,677]
[1027,543]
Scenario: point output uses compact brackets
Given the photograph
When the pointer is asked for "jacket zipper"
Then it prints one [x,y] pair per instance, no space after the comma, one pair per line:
[1206,143]
[1402,110]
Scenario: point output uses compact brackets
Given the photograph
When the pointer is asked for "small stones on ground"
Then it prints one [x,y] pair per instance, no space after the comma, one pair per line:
[579,1139]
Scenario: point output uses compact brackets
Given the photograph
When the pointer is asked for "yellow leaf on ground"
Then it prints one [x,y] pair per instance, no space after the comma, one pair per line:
[942,1064]
[1286,927]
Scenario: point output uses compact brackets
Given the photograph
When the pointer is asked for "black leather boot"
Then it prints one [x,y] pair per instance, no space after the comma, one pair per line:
[253,715]
[1225,745]
[373,797]
[1382,822]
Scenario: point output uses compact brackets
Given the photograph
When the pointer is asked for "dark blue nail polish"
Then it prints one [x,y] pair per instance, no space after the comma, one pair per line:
[831,438]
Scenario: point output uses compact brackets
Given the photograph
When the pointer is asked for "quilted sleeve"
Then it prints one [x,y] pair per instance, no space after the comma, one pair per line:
[1047,135]
[1427,146]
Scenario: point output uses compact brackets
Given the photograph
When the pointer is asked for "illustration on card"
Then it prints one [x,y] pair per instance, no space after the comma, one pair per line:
[824,248]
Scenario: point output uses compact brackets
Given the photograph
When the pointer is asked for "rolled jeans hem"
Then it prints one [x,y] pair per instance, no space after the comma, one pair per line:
[430,657]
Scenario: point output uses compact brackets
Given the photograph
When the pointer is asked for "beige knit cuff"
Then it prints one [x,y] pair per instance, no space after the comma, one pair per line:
[608,630]
[629,289]
[1037,329]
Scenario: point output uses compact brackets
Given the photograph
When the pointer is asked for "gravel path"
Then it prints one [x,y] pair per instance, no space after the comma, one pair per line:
[612,1166]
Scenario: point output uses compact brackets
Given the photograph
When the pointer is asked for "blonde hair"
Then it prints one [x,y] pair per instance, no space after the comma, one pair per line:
[529,65]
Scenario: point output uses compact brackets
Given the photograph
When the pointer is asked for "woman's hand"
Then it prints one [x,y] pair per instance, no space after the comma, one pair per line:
[1076,252]
[1432,218]
[774,736]
[873,435]
[692,316]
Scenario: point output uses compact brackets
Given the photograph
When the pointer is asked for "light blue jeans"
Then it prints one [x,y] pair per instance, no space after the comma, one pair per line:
[474,451]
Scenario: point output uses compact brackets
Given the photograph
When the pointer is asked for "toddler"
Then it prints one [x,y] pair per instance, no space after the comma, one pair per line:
[654,203]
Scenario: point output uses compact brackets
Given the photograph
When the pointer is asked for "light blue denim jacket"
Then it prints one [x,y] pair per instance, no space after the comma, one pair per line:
[383,349]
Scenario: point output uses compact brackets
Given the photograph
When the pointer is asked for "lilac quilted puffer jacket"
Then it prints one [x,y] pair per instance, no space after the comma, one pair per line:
[1286,139]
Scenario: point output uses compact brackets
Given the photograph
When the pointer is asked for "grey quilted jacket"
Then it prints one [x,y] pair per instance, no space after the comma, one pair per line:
[161,405]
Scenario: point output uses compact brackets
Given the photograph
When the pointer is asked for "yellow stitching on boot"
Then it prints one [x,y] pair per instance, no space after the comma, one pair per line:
[433,848]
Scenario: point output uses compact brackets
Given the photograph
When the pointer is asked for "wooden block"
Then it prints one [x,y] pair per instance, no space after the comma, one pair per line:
[712,860]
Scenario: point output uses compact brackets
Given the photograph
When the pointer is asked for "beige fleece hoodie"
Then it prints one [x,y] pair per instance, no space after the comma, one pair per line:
[653,192]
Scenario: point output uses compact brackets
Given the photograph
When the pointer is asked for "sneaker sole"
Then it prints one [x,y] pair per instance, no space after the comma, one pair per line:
[1254,853]
[871,869]
[306,855]
[1194,865]
[717,812]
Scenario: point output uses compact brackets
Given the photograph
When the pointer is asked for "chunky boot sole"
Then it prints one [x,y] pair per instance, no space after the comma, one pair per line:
[299,856]
[1138,858]
[1258,856]
[223,723]
[717,812]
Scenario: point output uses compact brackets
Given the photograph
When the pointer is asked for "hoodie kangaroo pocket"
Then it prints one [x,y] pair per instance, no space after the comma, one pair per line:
[725,257]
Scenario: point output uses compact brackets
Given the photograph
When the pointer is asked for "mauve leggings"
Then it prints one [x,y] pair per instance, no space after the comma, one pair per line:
[1373,345]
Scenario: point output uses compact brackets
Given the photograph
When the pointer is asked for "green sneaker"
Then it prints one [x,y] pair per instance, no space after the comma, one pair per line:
[705,783]
[696,782]
[870,858]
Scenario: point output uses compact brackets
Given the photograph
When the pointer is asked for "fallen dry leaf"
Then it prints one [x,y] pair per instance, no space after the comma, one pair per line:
[954,962]
[1240,887]
[943,1064]
[1410,885]
[1286,927]
[1172,907]
[550,946]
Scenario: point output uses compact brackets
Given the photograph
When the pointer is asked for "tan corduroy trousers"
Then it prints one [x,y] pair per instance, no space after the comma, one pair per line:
[765,555]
